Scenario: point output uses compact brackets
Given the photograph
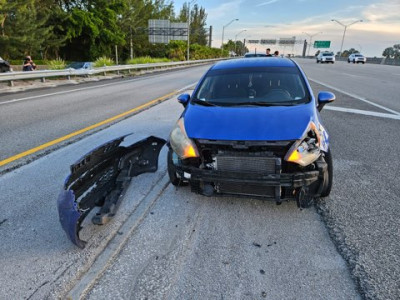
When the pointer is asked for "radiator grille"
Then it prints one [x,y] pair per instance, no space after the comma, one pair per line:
[246,164]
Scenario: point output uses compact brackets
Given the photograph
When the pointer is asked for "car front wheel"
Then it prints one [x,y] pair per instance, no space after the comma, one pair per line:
[329,178]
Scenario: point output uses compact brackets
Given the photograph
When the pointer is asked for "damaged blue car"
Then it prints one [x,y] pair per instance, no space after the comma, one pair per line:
[252,128]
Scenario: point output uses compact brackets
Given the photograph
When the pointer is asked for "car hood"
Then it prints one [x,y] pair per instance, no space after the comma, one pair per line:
[248,123]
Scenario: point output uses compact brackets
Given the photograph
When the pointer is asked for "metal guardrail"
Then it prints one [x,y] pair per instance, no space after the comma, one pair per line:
[43,74]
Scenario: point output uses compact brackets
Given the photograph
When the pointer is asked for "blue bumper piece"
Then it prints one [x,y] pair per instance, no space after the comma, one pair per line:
[100,178]
[69,216]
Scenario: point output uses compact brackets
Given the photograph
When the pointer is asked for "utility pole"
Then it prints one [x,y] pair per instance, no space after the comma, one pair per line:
[210,37]
[131,42]
[344,32]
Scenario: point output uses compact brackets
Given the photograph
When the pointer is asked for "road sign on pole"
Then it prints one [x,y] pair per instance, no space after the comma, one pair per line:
[322,44]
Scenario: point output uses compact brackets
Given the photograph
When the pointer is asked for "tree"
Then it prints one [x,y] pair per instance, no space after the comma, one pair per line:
[23,28]
[392,52]
[346,53]
[92,28]
[134,23]
[198,17]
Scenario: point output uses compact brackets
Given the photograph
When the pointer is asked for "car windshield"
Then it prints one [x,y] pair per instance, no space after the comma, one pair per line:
[267,86]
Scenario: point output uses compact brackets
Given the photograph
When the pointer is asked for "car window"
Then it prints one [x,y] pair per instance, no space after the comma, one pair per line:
[252,86]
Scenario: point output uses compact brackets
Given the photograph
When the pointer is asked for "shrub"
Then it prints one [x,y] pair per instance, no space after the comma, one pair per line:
[103,61]
[146,60]
[56,64]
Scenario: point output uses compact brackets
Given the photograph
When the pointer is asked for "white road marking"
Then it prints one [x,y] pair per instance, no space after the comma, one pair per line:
[363,112]
[356,97]
[81,89]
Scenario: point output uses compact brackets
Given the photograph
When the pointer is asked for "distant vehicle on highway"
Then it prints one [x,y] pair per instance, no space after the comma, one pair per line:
[252,128]
[356,58]
[80,65]
[326,57]
[4,66]
[248,55]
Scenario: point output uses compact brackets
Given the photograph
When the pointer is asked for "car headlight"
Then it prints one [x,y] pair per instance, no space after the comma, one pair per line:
[180,143]
[307,150]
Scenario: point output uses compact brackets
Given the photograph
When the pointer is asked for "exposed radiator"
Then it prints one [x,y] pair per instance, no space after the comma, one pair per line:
[250,165]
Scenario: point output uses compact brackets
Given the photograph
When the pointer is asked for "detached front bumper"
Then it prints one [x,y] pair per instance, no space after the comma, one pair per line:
[278,185]
[100,178]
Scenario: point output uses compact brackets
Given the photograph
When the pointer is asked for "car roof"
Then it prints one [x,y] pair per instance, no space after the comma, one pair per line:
[254,62]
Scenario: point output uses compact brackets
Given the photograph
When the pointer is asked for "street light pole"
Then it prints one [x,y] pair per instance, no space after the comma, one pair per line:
[310,36]
[223,30]
[344,32]
[236,37]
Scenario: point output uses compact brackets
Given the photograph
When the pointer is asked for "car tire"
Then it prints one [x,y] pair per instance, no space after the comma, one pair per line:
[348,61]
[317,61]
[363,62]
[328,185]
[354,61]
[174,179]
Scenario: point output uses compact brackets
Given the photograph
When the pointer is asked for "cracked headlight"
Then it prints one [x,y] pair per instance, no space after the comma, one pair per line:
[307,150]
[183,146]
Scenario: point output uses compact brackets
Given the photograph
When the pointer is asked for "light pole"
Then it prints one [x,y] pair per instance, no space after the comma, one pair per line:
[223,30]
[310,36]
[236,37]
[344,32]
[188,28]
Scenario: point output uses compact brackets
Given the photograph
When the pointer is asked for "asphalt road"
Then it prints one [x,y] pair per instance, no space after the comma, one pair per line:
[33,118]
[169,243]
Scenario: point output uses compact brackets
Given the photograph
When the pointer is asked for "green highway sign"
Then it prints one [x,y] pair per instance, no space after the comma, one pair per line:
[322,44]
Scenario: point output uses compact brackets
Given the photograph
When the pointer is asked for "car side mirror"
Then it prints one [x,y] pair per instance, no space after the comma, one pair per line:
[184,99]
[325,98]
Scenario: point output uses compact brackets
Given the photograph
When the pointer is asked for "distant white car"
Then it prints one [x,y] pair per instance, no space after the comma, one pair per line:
[356,58]
[326,57]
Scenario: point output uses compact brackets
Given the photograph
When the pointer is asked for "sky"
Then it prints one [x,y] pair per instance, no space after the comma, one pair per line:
[274,19]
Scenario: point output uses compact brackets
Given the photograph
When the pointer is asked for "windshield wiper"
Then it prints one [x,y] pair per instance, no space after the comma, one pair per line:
[203,102]
[262,103]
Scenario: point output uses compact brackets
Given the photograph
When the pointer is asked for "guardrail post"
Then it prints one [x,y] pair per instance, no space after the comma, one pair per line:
[11,83]
[43,79]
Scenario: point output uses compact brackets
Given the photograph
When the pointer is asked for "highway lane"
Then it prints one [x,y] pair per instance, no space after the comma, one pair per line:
[31,119]
[206,247]
[376,83]
[361,216]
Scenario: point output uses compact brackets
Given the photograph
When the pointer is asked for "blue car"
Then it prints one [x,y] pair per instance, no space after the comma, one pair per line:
[252,128]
